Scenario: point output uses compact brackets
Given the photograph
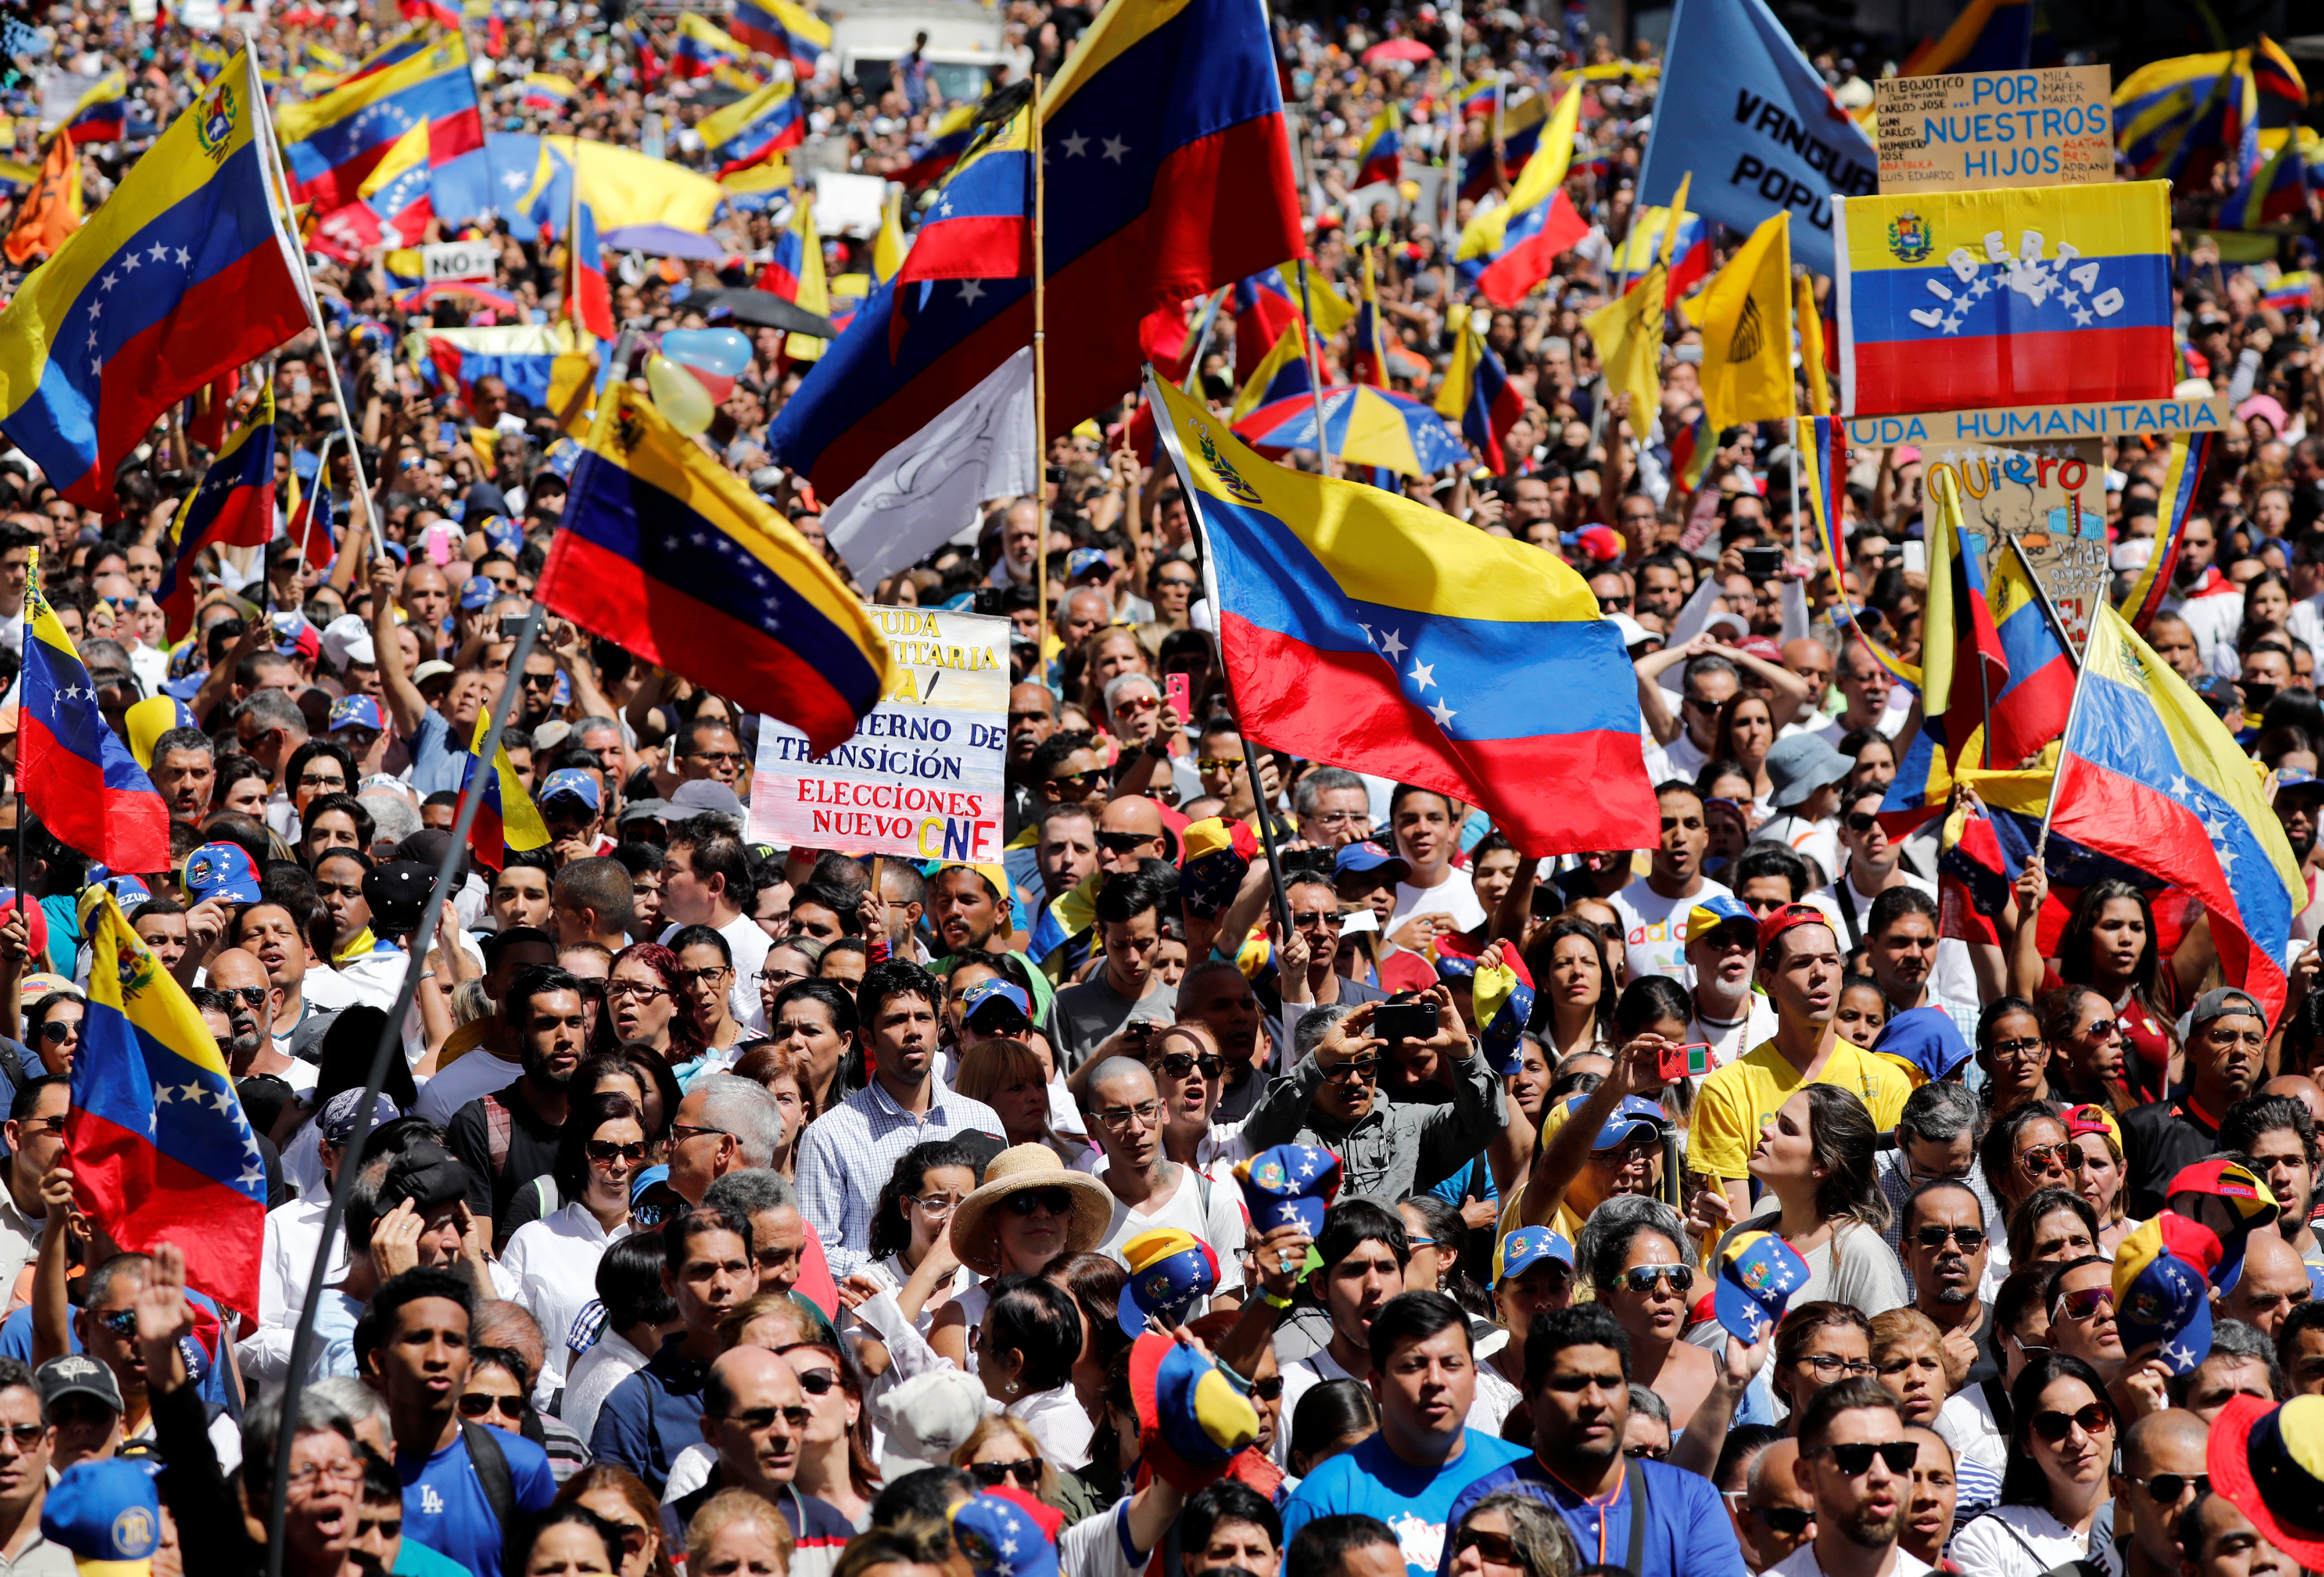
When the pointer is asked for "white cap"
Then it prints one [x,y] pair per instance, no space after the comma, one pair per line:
[339,636]
[1632,631]
[1724,617]
[927,1418]
[2131,553]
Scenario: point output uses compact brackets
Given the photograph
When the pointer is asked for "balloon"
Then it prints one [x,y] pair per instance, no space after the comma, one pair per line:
[679,395]
[715,356]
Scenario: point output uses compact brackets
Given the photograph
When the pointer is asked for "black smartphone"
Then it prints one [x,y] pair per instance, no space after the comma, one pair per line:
[1395,1022]
[1763,563]
[511,624]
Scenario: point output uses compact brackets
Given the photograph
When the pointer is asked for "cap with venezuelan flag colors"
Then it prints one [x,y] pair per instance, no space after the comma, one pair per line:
[2162,1294]
[1757,1274]
[1191,1417]
[1169,1268]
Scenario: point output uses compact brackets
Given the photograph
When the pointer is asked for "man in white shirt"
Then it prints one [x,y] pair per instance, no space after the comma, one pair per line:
[1857,1460]
[706,881]
[1150,1190]
[293,1232]
[1723,952]
[1867,685]
[2210,603]
[1871,866]
[36,1143]
[1654,908]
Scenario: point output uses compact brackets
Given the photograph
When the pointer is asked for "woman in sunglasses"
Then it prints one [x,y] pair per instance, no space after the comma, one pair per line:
[1001,1450]
[2023,1152]
[1190,1075]
[53,1029]
[835,1460]
[1814,1160]
[1513,1534]
[554,1260]
[1029,1209]
[497,1394]
[628,1507]
[1636,1251]
[2060,1455]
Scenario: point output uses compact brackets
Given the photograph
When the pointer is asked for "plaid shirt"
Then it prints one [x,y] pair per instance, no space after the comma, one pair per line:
[851,1151]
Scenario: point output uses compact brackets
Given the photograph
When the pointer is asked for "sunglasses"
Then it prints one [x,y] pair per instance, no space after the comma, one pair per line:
[2086,1302]
[2166,1487]
[1496,1549]
[1079,780]
[252,996]
[756,1419]
[1319,919]
[2100,1029]
[1027,1472]
[56,1032]
[2015,1050]
[1641,1278]
[1970,1239]
[1269,1389]
[605,1149]
[477,1405]
[1366,1068]
[1119,843]
[818,1382]
[2041,1157]
[2095,1419]
[1177,1065]
[1792,1520]
[1856,1459]
[121,1323]
[1054,1201]
[1216,765]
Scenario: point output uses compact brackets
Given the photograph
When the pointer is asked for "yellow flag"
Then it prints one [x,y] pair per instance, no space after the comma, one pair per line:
[1287,351]
[1747,331]
[889,247]
[1811,324]
[572,391]
[813,295]
[1537,184]
[1628,334]
[1313,294]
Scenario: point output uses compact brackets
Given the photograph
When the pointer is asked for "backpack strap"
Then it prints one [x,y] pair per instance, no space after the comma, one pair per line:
[492,1476]
[496,1132]
[1636,1475]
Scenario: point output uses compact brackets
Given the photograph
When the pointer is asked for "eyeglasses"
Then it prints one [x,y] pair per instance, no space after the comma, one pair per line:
[1855,1459]
[634,988]
[2100,1029]
[715,758]
[2094,1418]
[25,1435]
[605,1149]
[1828,1364]
[934,1204]
[1859,821]
[757,1419]
[1365,1068]
[1216,764]
[1026,1470]
[1268,1389]
[2022,1049]
[1970,1239]
[478,1405]
[1123,843]
[548,680]
[1344,817]
[2166,1487]
[781,977]
[305,1479]
[1641,1278]
[1319,919]
[1054,1201]
[2088,1303]
[1652,1453]
[1792,1520]
[2042,1158]
[1177,1065]
[1139,703]
[1613,604]
[1078,780]
[1120,1119]
[710,975]
[252,996]
[679,1132]
[121,1323]
[1496,1549]
[320,781]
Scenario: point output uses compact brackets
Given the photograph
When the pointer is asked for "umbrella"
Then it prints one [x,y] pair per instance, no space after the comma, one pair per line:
[764,310]
[664,241]
[1398,49]
[1367,426]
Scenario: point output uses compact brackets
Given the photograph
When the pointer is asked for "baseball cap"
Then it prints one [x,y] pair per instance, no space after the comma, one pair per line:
[2161,1294]
[1758,1273]
[295,636]
[476,592]
[337,1125]
[1169,1268]
[924,1420]
[1216,853]
[1288,1183]
[1522,1250]
[434,668]
[1369,857]
[1715,909]
[128,891]
[649,810]
[357,712]
[502,534]
[998,1538]
[1634,1115]
[2220,1001]
[706,794]
[1923,1042]
[2089,1118]
[108,1514]
[988,1005]
[2228,1198]
[341,634]
[221,871]
[76,1375]
[397,893]
[426,1173]
[1082,560]
[2292,780]
[1789,918]
[570,783]
[1191,1419]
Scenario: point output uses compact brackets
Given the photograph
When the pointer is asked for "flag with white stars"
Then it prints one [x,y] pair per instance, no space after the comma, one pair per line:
[331,145]
[77,774]
[160,1147]
[2039,295]
[2151,777]
[233,507]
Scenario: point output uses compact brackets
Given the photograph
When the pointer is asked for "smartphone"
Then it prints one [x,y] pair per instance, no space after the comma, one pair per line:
[1394,1022]
[1917,558]
[511,624]
[1763,563]
[1180,691]
[1685,1062]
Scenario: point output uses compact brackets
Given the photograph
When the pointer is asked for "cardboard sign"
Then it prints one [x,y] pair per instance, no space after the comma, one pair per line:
[1984,129]
[922,777]
[457,262]
[2026,423]
[2051,497]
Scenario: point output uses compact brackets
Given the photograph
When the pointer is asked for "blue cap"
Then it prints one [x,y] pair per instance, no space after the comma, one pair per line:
[570,783]
[645,1180]
[357,712]
[221,871]
[1368,856]
[1757,1274]
[1169,1268]
[1526,1248]
[106,1512]
[1288,1184]
[562,456]
[502,534]
[476,592]
[1924,1041]
[999,1539]
[1082,560]
[978,1009]
[128,891]
[1635,1113]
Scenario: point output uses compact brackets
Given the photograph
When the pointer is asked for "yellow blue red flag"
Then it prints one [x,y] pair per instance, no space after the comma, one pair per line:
[506,818]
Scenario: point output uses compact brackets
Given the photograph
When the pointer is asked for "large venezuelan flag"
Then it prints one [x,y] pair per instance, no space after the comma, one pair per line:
[1955,301]
[184,274]
[2029,710]
[80,778]
[667,553]
[2151,777]
[782,30]
[1168,174]
[331,143]
[1372,632]
[160,1148]
[753,130]
[939,149]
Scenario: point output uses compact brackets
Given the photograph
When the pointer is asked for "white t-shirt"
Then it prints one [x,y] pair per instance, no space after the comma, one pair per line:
[1997,1544]
[1730,1041]
[1803,1562]
[1223,1229]
[1456,895]
[1654,927]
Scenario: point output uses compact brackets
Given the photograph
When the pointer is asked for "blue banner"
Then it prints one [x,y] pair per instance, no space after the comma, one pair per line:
[1743,110]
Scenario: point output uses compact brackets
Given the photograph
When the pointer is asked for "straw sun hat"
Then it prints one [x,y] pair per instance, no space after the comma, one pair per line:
[1012,1171]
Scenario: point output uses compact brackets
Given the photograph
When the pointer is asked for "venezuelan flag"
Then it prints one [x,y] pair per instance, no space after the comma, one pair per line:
[784,31]
[506,818]
[1479,396]
[160,1148]
[79,776]
[940,148]
[1923,783]
[1168,174]
[2151,777]
[2277,192]
[310,512]
[1516,137]
[755,189]
[1988,35]
[397,203]
[2029,710]
[442,13]
[1514,245]
[2282,91]
[1479,99]
[662,550]
[520,358]
[545,92]
[1373,632]
[588,298]
[1950,301]
[233,506]
[753,130]
[702,46]
[980,225]
[331,143]
[2293,292]
[1961,661]
[404,44]
[1693,450]
[2176,118]
[1267,304]
[103,113]
[183,275]
[2180,482]
[1281,373]
[1689,250]
[1366,349]
[795,273]
[1381,156]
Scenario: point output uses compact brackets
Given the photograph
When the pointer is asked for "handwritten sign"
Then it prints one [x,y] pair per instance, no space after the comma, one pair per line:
[2049,497]
[922,777]
[2113,418]
[1984,129]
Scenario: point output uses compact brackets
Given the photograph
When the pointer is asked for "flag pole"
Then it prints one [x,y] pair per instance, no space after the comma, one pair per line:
[1453,133]
[1168,432]
[2049,608]
[1040,380]
[1314,372]
[278,189]
[2065,743]
[1202,336]
[390,1044]
[322,480]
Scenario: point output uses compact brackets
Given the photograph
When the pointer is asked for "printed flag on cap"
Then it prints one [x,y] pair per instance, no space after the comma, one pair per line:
[2160,1293]
[1192,1418]
[1169,1269]
[1757,1274]
[1288,1184]
[1504,1001]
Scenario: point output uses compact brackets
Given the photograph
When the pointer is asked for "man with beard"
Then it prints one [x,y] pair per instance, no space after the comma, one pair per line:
[2298,797]
[1578,1376]
[239,979]
[1945,1249]
[2227,1039]
[1855,1458]
[509,1137]
[2276,1131]
[1900,944]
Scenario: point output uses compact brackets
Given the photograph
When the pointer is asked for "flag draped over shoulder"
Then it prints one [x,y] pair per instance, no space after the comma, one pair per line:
[2151,777]
[664,551]
[80,778]
[1372,632]
[184,274]
[160,1147]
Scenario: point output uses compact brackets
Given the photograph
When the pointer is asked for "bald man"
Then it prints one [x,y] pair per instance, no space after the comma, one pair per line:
[1150,1189]
[754,1415]
[1082,616]
[2169,1446]
[1128,830]
[1775,1489]
[1811,659]
[2273,1282]
[2301,1088]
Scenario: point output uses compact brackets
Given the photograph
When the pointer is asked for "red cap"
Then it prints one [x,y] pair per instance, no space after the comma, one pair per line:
[1789,916]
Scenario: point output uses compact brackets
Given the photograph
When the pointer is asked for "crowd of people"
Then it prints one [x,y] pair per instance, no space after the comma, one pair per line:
[751,1210]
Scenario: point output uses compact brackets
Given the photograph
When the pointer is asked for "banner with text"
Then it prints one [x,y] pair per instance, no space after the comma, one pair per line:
[922,777]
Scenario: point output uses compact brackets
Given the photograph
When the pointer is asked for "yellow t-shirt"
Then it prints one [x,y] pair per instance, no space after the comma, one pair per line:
[1735,1101]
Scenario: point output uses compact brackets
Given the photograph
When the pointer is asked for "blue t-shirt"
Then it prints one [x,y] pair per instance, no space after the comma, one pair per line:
[438,762]
[444,1504]
[1414,1501]
[1688,1533]
[210,1378]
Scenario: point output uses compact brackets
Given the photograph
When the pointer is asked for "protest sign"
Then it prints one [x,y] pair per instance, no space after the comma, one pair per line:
[922,777]
[2051,497]
[2111,419]
[457,262]
[1983,129]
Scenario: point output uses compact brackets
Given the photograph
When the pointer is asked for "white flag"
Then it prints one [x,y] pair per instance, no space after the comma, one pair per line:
[927,488]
